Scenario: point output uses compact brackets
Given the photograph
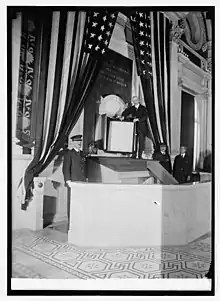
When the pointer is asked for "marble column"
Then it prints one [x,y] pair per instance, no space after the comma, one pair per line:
[35,210]
[202,103]
[198,132]
[175,105]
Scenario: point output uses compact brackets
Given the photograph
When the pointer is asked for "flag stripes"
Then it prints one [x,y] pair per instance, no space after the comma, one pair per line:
[160,38]
[68,69]
[151,44]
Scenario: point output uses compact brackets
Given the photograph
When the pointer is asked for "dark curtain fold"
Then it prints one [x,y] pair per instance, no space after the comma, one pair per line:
[82,73]
[45,19]
[77,101]
[143,70]
[167,49]
[147,85]
[57,80]
[150,31]
[162,71]
[159,64]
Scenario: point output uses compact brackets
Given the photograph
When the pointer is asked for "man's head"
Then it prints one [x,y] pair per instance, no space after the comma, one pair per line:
[75,142]
[183,149]
[135,100]
[163,148]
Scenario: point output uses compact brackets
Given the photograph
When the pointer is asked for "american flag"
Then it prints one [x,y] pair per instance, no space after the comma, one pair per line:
[99,30]
[141,27]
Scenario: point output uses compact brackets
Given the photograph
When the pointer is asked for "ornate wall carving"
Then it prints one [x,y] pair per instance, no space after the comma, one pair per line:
[26,81]
[176,32]
[194,30]
[189,32]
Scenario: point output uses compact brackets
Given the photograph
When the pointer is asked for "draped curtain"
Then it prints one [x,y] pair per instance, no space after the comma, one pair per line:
[150,32]
[67,75]
[160,28]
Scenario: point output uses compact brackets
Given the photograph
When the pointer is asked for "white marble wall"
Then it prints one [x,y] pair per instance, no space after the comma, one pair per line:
[175,104]
[165,214]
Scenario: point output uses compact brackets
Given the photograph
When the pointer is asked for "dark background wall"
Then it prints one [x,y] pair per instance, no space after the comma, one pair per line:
[114,77]
[187,122]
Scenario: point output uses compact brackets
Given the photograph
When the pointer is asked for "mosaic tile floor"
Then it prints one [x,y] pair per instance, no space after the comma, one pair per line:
[39,255]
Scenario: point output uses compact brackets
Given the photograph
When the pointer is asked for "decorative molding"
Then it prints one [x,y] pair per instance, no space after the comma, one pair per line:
[175,16]
[176,33]
[209,64]
[122,20]
[209,45]
[194,68]
[206,95]
[17,148]
[180,81]
[181,51]
[131,52]
[204,64]
[191,79]
[21,157]
[198,23]
[205,47]
[191,50]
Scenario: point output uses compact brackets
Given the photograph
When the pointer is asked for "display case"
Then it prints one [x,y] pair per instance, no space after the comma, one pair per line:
[120,136]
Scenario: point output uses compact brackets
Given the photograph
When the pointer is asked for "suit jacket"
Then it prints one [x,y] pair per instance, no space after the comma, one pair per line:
[164,160]
[141,114]
[182,168]
[74,166]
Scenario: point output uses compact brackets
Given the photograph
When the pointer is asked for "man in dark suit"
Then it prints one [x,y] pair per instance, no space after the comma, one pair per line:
[138,114]
[163,157]
[182,166]
[74,165]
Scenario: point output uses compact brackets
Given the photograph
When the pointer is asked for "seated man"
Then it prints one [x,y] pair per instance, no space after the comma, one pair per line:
[138,114]
[163,157]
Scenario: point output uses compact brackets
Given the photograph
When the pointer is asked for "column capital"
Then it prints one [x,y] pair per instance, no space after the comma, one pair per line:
[16,148]
[176,32]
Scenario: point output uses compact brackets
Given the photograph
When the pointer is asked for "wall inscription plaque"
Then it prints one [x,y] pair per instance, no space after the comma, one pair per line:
[115,77]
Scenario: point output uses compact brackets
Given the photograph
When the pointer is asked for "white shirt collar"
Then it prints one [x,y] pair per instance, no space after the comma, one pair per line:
[137,106]
[183,155]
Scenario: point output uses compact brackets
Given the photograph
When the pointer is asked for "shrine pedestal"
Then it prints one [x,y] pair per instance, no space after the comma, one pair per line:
[119,215]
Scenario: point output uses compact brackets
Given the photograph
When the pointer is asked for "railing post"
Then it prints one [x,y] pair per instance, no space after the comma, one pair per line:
[35,208]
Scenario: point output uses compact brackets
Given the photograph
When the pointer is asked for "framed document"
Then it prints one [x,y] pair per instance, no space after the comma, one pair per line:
[120,136]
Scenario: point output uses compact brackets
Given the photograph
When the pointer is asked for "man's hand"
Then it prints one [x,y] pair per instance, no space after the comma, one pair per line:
[135,119]
[68,183]
[122,118]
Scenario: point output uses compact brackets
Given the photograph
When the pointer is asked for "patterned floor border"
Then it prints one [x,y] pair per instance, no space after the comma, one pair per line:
[78,263]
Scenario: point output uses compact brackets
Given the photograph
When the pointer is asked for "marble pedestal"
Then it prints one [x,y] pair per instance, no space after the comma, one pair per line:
[110,215]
